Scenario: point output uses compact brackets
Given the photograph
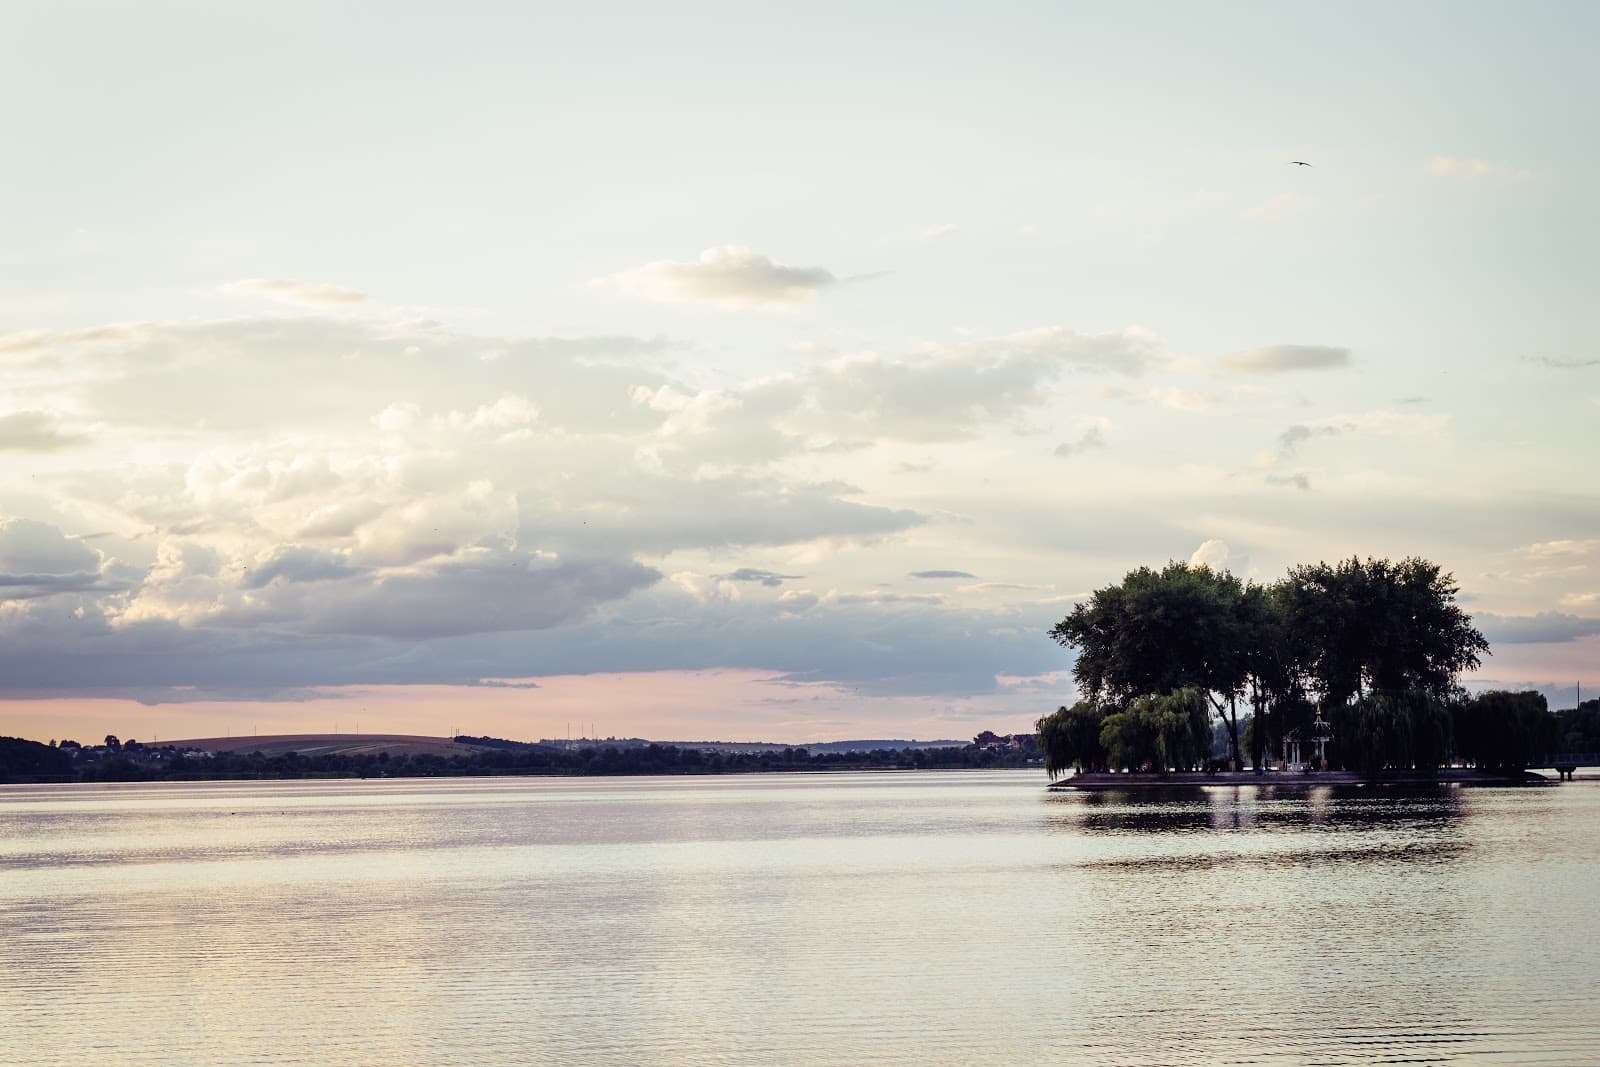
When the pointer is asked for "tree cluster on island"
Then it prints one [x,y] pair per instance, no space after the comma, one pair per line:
[1377,646]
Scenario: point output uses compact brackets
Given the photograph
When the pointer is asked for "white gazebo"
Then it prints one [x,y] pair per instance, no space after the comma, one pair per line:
[1293,744]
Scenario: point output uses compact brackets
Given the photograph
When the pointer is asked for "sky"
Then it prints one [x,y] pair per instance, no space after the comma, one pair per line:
[765,373]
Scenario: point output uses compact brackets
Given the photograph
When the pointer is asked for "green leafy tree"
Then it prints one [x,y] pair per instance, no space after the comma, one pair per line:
[21,759]
[1071,738]
[1156,632]
[1128,739]
[1392,730]
[1275,658]
[1376,626]
[1504,730]
[1580,727]
[1162,732]
[1380,644]
[1181,723]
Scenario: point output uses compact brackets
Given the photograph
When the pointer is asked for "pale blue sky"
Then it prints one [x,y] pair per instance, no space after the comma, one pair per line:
[1029,244]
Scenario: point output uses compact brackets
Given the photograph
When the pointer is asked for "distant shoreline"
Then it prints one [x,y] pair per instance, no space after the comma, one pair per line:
[322,756]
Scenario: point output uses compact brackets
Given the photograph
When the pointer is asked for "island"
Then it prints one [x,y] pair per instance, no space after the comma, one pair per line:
[1346,672]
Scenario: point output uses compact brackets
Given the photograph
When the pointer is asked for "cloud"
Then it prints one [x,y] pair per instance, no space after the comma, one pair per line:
[412,451]
[478,618]
[1563,548]
[426,514]
[1446,166]
[25,342]
[1381,423]
[881,597]
[153,696]
[37,560]
[1172,398]
[300,294]
[1451,167]
[31,547]
[1212,553]
[933,233]
[935,395]
[1090,439]
[251,374]
[1554,363]
[941,574]
[507,683]
[429,386]
[753,574]
[659,513]
[1130,351]
[414,485]
[1278,359]
[1290,440]
[218,634]
[467,596]
[474,591]
[39,349]
[1298,480]
[1543,628]
[730,276]
[37,431]
[296,563]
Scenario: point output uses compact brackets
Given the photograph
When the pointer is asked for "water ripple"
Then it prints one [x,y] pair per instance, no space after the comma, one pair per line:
[865,919]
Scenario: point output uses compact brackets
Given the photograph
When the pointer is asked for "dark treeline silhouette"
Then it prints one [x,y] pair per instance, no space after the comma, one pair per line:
[1580,728]
[30,761]
[1376,646]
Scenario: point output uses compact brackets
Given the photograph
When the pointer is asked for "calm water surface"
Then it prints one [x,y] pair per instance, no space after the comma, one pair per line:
[892,918]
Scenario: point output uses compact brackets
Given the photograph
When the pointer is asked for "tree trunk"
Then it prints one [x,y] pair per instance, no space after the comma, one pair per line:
[1258,734]
[1233,729]
[1231,724]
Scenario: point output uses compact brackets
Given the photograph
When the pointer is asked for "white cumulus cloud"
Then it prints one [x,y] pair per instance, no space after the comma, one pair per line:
[730,276]
[1212,553]
[300,294]
[37,431]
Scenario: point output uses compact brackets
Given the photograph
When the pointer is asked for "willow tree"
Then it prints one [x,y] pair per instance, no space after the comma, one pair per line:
[1170,731]
[1071,738]
[1505,730]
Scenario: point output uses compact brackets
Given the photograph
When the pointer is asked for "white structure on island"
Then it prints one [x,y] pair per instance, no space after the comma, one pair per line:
[1321,734]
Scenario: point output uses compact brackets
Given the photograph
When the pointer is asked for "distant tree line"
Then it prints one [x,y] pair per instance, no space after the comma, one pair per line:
[1378,646]
[22,760]
[1580,728]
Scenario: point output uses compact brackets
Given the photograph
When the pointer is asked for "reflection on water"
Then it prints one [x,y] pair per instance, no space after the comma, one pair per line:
[881,918]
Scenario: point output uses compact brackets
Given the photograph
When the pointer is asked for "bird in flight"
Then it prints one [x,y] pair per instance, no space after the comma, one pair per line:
[1297,163]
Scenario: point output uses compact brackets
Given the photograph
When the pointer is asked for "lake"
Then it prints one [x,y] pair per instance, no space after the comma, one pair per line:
[929,918]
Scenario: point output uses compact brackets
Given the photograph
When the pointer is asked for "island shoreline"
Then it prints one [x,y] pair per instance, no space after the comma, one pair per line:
[1093,781]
